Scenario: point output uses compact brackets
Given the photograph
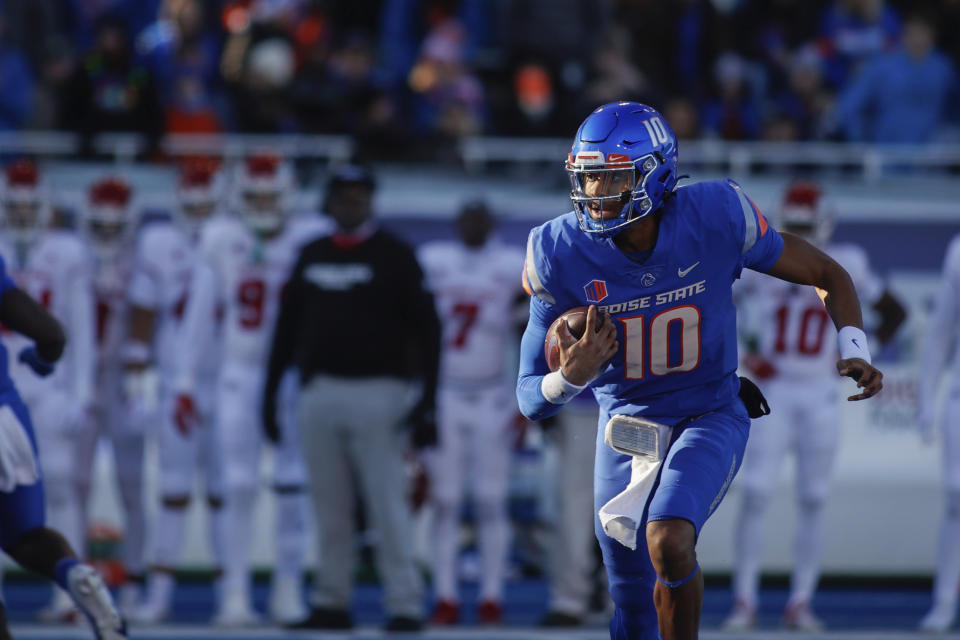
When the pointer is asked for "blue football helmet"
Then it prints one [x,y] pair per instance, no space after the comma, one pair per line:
[622,166]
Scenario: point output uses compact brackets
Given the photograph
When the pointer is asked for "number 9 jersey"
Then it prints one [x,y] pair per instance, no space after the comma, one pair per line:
[673,308]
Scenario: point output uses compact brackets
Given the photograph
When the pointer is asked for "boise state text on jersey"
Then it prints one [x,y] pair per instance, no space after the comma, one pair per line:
[674,313]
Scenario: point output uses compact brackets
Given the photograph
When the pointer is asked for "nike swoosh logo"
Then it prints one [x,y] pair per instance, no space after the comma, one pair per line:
[854,341]
[683,272]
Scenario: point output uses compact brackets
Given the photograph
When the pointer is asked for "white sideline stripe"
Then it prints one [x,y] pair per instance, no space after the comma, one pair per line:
[205,632]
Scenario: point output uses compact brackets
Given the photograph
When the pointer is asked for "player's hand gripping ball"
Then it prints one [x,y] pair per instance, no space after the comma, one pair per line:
[576,320]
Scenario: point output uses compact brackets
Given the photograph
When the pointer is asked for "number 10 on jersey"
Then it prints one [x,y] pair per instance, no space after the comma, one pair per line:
[684,320]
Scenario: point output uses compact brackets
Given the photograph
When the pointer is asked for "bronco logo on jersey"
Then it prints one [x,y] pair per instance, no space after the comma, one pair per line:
[596,290]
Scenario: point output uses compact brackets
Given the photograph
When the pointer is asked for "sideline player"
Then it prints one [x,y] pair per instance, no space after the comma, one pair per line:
[943,329]
[474,284]
[109,225]
[159,289]
[657,264]
[790,352]
[243,263]
[53,266]
[24,535]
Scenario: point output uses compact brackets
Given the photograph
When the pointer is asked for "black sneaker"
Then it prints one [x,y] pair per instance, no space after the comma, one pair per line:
[324,618]
[561,619]
[404,623]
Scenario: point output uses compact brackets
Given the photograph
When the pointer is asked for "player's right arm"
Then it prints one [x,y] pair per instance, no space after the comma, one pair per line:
[802,263]
[540,392]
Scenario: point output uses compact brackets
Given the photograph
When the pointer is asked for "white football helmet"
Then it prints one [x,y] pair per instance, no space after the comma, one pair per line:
[199,192]
[807,213]
[24,202]
[108,214]
[262,187]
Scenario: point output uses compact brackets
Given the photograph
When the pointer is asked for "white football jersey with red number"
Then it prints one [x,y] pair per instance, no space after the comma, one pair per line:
[111,279]
[244,276]
[162,271]
[794,330]
[56,271]
[475,292]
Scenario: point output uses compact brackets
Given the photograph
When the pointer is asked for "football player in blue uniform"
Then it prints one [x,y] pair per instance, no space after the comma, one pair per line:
[24,535]
[655,263]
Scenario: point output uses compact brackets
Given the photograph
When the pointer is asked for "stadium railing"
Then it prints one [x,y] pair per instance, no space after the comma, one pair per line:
[477,154]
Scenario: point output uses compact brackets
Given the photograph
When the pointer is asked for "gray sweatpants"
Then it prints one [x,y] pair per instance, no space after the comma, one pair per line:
[352,442]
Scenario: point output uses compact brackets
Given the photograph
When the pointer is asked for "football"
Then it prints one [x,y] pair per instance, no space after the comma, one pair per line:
[576,320]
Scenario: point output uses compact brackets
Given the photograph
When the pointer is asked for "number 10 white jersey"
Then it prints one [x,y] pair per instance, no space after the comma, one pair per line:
[794,332]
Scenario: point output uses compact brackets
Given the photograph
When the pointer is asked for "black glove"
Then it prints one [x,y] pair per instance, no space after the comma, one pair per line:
[752,398]
[271,428]
[422,422]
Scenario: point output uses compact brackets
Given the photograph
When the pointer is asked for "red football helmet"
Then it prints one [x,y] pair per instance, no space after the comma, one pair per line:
[262,187]
[108,212]
[200,190]
[806,212]
[23,201]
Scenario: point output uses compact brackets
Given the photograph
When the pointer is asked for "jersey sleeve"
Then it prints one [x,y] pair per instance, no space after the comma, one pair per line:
[81,326]
[537,268]
[759,243]
[533,362]
[196,327]
[942,329]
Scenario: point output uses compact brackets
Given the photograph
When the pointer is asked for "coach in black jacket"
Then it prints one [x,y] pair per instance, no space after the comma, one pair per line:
[357,323]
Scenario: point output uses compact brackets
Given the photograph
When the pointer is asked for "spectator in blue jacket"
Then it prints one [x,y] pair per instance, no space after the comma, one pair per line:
[903,96]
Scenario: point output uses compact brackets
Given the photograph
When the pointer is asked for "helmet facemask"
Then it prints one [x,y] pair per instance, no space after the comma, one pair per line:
[609,196]
[21,219]
[263,210]
[23,202]
[107,220]
[262,189]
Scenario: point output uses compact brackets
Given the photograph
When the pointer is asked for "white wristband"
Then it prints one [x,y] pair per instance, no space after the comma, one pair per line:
[852,343]
[557,389]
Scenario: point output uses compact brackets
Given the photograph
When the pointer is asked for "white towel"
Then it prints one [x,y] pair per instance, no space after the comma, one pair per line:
[622,514]
[18,466]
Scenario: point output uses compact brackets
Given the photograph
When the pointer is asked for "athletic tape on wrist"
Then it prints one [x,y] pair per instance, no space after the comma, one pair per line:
[679,583]
[557,389]
[852,343]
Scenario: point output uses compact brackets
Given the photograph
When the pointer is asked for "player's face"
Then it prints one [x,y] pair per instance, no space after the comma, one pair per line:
[199,211]
[21,215]
[262,202]
[607,183]
[351,206]
[474,226]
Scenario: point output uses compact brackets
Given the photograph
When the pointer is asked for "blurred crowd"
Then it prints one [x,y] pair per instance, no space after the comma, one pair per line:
[404,77]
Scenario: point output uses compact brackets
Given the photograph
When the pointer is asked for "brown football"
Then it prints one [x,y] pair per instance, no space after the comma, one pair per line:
[576,320]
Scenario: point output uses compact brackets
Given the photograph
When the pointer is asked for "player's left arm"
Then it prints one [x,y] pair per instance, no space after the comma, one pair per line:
[802,263]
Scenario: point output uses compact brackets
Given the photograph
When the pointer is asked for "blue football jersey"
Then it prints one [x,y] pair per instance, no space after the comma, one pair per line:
[674,313]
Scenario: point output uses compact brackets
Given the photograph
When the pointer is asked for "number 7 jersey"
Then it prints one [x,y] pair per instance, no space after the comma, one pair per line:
[674,312]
